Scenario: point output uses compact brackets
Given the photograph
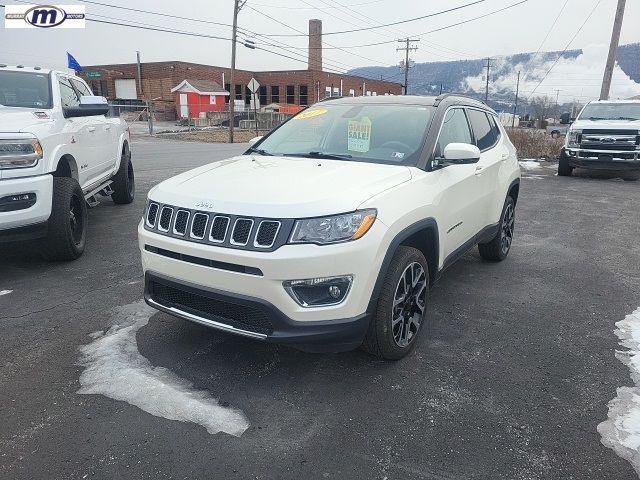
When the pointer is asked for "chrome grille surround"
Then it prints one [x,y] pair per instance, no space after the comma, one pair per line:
[152,215]
[214,222]
[166,213]
[239,226]
[195,224]
[270,237]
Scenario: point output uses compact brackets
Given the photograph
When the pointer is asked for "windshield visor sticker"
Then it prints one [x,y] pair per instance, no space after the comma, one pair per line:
[359,135]
[397,155]
[310,113]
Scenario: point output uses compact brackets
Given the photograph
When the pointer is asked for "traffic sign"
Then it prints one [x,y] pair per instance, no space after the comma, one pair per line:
[94,74]
[253,85]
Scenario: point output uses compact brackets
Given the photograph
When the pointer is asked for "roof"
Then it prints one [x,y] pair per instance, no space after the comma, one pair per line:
[202,87]
[411,100]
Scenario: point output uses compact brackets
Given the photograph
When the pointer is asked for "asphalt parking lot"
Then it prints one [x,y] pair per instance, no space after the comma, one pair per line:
[509,381]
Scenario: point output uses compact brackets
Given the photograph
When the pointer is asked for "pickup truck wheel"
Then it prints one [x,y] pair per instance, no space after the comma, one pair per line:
[498,248]
[67,226]
[401,308]
[124,184]
[564,169]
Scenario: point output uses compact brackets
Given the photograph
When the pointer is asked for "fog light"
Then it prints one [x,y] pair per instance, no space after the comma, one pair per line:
[319,292]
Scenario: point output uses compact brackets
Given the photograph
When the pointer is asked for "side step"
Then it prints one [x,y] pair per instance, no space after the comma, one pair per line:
[104,189]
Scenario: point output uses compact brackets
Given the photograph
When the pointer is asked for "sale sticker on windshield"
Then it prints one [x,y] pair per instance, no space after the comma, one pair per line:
[310,114]
[359,135]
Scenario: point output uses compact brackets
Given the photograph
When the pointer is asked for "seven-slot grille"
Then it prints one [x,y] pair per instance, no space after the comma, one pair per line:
[233,231]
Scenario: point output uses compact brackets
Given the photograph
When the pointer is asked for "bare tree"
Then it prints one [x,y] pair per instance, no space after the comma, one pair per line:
[542,106]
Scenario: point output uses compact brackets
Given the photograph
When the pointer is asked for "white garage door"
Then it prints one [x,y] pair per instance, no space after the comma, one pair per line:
[126,88]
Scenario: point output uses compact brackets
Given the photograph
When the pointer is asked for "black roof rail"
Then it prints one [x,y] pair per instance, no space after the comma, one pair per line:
[444,96]
[325,99]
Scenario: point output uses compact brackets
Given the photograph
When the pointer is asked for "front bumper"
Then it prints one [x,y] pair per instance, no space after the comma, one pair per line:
[602,159]
[255,280]
[30,222]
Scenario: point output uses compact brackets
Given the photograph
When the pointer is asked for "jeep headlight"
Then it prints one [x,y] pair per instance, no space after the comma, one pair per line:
[333,229]
[573,138]
[19,153]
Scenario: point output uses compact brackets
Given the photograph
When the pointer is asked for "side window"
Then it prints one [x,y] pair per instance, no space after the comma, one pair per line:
[68,95]
[81,87]
[455,129]
[485,131]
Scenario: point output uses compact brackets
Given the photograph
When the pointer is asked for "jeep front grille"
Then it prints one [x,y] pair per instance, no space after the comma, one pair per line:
[219,229]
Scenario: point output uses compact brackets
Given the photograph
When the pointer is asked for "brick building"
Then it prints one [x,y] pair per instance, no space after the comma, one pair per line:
[297,87]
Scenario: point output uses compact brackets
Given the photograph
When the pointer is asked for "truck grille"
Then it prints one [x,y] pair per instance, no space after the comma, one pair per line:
[238,316]
[615,140]
[232,231]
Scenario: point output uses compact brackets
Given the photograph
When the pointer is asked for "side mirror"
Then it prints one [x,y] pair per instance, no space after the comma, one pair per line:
[90,105]
[461,153]
[254,140]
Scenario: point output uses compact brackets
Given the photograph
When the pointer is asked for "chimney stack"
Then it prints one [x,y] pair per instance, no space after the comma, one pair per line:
[315,44]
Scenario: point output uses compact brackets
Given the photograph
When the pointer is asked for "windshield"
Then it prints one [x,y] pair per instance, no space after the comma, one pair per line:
[377,133]
[25,89]
[611,111]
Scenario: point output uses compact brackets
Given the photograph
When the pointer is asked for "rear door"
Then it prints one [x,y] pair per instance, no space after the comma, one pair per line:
[459,185]
[493,153]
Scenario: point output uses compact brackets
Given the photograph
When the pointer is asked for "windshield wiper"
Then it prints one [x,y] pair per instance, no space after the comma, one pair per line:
[260,151]
[328,156]
[630,119]
[596,118]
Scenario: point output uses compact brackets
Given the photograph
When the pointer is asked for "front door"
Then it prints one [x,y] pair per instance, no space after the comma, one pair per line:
[460,186]
[184,106]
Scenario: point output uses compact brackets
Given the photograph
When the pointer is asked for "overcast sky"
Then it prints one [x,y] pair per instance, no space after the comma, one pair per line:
[519,29]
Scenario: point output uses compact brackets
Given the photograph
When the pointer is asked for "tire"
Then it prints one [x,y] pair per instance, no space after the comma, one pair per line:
[124,183]
[391,341]
[555,134]
[499,246]
[564,169]
[67,225]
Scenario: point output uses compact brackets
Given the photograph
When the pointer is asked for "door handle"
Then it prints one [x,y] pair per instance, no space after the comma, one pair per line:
[504,156]
[479,171]
[108,127]
[91,129]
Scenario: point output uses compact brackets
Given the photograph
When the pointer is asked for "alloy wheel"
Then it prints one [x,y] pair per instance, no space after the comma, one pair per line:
[76,220]
[506,234]
[409,304]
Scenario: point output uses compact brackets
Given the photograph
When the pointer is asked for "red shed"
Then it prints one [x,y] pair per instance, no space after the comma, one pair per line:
[195,96]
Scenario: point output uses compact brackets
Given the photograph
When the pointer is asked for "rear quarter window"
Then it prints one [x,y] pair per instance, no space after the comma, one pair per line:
[484,128]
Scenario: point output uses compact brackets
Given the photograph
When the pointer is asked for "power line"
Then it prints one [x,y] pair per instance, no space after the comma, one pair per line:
[566,47]
[399,22]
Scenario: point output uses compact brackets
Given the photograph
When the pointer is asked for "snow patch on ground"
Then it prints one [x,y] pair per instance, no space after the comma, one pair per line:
[5,292]
[621,431]
[529,165]
[115,368]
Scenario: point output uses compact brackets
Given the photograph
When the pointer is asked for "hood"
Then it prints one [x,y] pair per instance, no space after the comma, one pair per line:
[279,187]
[605,125]
[14,119]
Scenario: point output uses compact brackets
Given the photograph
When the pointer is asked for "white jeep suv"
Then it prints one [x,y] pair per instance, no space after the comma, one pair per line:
[328,232]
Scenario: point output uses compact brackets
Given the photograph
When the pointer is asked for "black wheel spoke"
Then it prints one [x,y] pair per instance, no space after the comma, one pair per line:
[409,304]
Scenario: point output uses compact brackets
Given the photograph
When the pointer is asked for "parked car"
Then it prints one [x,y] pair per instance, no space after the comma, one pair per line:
[562,128]
[606,136]
[328,232]
[57,151]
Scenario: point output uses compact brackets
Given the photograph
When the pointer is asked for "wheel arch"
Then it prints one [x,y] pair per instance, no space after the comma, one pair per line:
[66,167]
[514,190]
[422,235]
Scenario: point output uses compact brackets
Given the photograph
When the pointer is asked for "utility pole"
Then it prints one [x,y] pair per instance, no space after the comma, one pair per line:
[440,90]
[408,47]
[139,72]
[613,51]
[237,6]
[515,108]
[557,96]
[486,95]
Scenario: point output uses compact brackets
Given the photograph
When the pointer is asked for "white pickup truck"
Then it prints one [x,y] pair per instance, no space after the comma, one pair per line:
[58,151]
